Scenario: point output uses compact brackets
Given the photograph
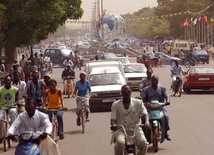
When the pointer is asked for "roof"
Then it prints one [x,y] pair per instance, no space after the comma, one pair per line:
[101,70]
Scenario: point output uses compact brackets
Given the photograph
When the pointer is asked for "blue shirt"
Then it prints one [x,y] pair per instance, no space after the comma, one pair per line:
[149,94]
[177,69]
[83,89]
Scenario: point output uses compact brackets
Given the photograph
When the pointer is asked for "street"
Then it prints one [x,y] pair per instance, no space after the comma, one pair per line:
[191,122]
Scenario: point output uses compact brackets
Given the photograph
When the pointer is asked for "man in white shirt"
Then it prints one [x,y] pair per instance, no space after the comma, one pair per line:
[31,120]
[21,85]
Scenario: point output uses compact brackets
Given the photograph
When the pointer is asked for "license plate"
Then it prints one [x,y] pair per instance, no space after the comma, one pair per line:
[108,100]
[203,79]
[201,57]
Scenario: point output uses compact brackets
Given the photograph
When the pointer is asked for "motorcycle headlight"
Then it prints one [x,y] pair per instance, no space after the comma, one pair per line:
[26,136]
[93,94]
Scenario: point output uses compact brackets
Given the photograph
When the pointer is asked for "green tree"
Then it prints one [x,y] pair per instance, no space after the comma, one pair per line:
[26,22]
[146,28]
[193,8]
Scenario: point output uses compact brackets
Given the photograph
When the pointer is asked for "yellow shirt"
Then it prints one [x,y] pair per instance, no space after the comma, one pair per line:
[54,101]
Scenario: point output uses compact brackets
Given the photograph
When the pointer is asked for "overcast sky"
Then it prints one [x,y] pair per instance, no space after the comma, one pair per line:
[116,6]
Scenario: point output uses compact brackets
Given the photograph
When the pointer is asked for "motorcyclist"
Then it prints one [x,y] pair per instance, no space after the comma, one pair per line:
[128,112]
[176,70]
[191,58]
[146,81]
[157,92]
[67,72]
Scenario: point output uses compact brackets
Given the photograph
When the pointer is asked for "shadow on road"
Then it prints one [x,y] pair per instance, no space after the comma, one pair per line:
[73,132]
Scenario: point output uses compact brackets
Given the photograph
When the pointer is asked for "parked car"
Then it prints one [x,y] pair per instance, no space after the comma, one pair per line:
[134,74]
[201,55]
[104,56]
[123,60]
[199,77]
[106,83]
[168,60]
[57,55]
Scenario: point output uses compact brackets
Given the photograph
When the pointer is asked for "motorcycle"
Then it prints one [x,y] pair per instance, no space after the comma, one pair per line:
[68,85]
[177,86]
[28,143]
[130,146]
[157,122]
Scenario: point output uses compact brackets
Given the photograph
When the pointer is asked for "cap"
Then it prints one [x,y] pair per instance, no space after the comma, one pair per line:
[47,75]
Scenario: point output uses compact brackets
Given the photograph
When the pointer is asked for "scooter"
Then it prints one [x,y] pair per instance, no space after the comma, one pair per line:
[28,143]
[157,122]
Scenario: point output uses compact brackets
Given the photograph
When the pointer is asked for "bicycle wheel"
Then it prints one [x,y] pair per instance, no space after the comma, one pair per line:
[54,131]
[4,135]
[83,119]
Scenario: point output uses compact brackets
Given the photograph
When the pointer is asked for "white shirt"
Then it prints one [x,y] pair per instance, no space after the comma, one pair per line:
[47,59]
[38,122]
[21,86]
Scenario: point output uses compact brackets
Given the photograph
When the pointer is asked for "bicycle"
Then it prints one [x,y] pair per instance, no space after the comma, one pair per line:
[5,126]
[161,63]
[54,122]
[82,111]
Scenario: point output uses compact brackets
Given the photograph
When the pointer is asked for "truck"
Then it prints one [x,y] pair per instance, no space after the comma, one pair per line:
[185,45]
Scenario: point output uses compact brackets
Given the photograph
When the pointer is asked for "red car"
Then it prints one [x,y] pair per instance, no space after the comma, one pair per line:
[199,77]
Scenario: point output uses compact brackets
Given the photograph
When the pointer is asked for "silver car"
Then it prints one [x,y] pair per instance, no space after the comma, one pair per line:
[134,73]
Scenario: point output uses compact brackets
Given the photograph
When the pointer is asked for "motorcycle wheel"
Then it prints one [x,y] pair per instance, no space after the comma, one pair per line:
[155,139]
[179,91]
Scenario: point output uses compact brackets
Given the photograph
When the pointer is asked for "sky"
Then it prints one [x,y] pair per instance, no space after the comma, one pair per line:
[116,6]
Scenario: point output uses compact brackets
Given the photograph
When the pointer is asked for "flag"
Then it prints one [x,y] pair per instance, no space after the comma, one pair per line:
[183,23]
[205,19]
[190,21]
[195,21]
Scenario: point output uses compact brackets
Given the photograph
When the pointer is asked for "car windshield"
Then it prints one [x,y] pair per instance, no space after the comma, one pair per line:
[123,60]
[200,52]
[106,79]
[202,70]
[134,69]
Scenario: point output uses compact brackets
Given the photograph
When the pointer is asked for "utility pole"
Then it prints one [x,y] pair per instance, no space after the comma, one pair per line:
[102,13]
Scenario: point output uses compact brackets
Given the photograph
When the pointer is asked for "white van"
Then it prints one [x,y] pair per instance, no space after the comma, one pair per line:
[106,83]
[185,45]
[103,63]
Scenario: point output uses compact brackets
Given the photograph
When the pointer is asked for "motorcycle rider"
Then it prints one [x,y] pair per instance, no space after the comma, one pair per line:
[128,112]
[176,70]
[146,81]
[157,92]
[191,58]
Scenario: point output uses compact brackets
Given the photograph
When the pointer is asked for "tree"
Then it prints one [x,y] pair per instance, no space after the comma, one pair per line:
[26,22]
[192,8]
[146,28]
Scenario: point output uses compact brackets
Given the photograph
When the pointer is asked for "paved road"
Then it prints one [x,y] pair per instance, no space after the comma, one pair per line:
[191,121]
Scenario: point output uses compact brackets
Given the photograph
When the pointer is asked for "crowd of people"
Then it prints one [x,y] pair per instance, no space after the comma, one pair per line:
[44,93]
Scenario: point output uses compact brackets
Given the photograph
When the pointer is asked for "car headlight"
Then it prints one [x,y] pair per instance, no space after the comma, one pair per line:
[26,136]
[93,94]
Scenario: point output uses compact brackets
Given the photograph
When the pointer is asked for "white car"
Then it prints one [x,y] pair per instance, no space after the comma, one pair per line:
[123,60]
[106,83]
[134,73]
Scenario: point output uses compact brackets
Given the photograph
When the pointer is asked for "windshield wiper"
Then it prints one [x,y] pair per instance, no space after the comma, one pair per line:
[113,83]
